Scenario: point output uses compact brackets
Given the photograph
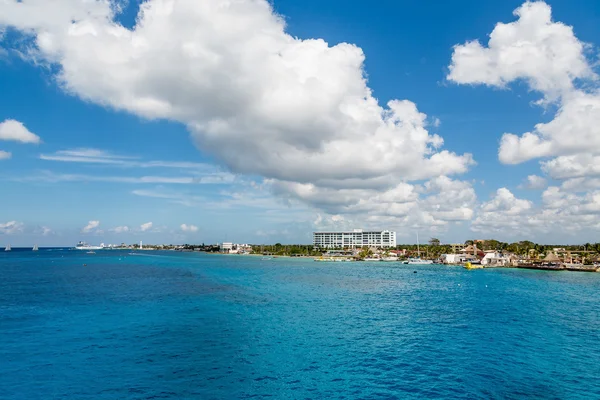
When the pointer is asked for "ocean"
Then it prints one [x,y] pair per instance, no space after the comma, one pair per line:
[169,325]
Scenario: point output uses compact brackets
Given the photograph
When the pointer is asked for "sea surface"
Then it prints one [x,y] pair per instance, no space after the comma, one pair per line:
[169,325]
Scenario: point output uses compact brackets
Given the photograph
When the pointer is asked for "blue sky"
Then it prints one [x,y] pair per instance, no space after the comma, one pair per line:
[251,151]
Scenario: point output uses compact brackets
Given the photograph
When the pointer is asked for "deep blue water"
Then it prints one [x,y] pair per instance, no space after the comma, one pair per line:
[193,326]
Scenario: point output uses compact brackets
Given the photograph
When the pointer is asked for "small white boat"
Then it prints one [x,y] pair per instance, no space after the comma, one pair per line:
[332,259]
[35,248]
[90,252]
[267,258]
[7,248]
[372,259]
[418,261]
[390,258]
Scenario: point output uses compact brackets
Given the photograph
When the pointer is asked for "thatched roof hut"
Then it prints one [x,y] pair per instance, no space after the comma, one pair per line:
[551,257]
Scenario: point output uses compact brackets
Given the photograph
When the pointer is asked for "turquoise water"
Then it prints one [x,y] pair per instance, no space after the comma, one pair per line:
[192,326]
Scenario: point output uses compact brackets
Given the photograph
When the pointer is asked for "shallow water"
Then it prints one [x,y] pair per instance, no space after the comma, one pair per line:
[185,325]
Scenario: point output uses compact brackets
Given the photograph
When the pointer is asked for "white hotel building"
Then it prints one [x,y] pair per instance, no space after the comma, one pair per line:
[356,238]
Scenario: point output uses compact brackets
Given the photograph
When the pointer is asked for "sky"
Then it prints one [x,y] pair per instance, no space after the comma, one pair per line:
[260,122]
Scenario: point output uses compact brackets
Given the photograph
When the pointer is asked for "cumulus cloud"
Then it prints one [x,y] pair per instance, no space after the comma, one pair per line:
[11,227]
[45,231]
[552,61]
[189,228]
[575,129]
[505,213]
[297,112]
[146,227]
[436,203]
[14,130]
[5,155]
[506,202]
[544,53]
[534,182]
[120,229]
[90,227]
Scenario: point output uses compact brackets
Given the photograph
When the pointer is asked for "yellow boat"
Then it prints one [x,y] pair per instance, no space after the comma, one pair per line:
[471,266]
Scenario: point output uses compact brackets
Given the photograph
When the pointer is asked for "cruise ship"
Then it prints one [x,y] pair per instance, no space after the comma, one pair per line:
[85,246]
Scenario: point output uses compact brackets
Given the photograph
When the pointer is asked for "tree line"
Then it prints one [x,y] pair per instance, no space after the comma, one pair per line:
[433,249]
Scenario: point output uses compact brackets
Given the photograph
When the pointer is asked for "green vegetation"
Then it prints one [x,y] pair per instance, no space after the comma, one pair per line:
[434,249]
[294,250]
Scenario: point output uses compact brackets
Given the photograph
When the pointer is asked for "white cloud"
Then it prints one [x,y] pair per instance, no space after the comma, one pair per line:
[297,112]
[576,185]
[544,53]
[575,129]
[91,227]
[534,182]
[436,203]
[46,231]
[145,227]
[575,166]
[5,155]
[208,178]
[571,213]
[504,212]
[120,229]
[551,60]
[14,130]
[43,231]
[97,156]
[11,227]
[86,155]
[189,228]
[506,202]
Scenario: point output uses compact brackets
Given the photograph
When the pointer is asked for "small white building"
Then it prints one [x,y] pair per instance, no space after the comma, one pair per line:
[455,258]
[226,246]
[494,258]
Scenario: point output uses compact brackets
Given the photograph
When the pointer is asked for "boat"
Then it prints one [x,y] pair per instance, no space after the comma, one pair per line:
[473,266]
[7,248]
[85,246]
[418,261]
[35,247]
[332,259]
[90,252]
[372,259]
[389,258]
[267,258]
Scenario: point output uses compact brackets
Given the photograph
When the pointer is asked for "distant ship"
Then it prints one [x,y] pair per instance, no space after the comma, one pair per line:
[35,248]
[85,246]
[7,248]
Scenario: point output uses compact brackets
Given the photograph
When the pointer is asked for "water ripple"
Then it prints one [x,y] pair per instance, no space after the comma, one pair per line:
[196,326]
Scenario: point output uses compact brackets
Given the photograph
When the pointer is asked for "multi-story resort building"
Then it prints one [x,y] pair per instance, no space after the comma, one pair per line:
[355,238]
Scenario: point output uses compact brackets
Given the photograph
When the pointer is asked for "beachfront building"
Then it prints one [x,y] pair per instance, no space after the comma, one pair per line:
[495,258]
[355,238]
[455,258]
[226,246]
[235,248]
